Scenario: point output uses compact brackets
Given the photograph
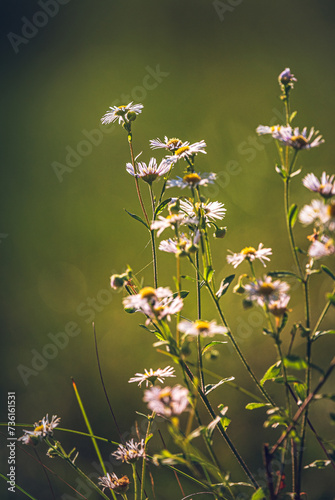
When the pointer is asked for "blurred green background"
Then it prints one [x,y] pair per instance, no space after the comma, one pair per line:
[63,233]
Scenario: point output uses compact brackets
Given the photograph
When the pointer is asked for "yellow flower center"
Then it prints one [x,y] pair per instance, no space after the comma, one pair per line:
[192,178]
[266,288]
[300,139]
[121,111]
[39,428]
[201,325]
[329,244]
[331,210]
[181,150]
[173,143]
[148,292]
[248,251]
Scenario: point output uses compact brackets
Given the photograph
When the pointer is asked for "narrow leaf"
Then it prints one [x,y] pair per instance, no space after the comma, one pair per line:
[283,274]
[272,373]
[324,332]
[292,214]
[136,217]
[224,285]
[295,362]
[211,344]
[318,464]
[161,206]
[328,271]
[208,273]
[254,406]
[210,387]
[297,172]
[259,495]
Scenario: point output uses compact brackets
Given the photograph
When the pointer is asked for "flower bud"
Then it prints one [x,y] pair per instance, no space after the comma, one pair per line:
[131,116]
[117,281]
[220,232]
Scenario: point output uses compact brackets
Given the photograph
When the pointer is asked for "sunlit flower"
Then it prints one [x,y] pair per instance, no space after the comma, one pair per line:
[173,220]
[265,129]
[151,376]
[200,327]
[149,173]
[266,291]
[210,211]
[298,139]
[167,401]
[279,307]
[186,149]
[286,78]
[131,452]
[155,303]
[169,144]
[181,246]
[322,248]
[318,213]
[250,254]
[43,428]
[112,482]
[326,186]
[192,180]
[120,113]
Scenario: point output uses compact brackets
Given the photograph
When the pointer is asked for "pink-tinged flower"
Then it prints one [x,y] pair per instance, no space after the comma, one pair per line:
[192,180]
[201,327]
[325,186]
[169,144]
[130,452]
[120,113]
[298,139]
[266,291]
[322,248]
[155,303]
[173,221]
[167,401]
[211,210]
[151,376]
[318,213]
[149,173]
[43,428]
[265,129]
[112,482]
[181,246]
[250,254]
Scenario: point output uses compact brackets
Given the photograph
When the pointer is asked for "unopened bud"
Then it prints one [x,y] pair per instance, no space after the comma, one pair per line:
[117,281]
[247,304]
[220,232]
[131,116]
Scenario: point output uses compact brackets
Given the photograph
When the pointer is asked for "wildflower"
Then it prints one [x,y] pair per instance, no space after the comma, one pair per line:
[155,303]
[169,144]
[131,452]
[266,291]
[265,129]
[286,78]
[167,401]
[43,428]
[181,246]
[318,213]
[322,248]
[192,180]
[200,327]
[250,254]
[121,113]
[112,482]
[326,186]
[210,211]
[298,139]
[279,307]
[151,376]
[173,221]
[186,150]
[151,172]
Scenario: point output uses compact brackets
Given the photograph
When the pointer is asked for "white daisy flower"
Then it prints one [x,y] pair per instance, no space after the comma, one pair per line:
[250,254]
[279,307]
[169,144]
[155,303]
[298,139]
[149,173]
[192,180]
[322,248]
[318,213]
[151,376]
[265,129]
[186,149]
[112,482]
[266,291]
[173,220]
[200,327]
[43,428]
[326,186]
[167,401]
[120,113]
[131,452]
[211,210]
[181,246]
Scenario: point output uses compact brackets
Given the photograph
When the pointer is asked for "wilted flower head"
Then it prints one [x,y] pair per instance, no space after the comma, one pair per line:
[43,428]
[151,376]
[192,180]
[123,114]
[326,186]
[155,303]
[112,482]
[201,327]
[151,172]
[250,254]
[167,401]
[169,144]
[131,452]
[266,291]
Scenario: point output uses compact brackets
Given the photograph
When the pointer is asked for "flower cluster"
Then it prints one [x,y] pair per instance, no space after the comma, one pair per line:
[43,428]
[156,304]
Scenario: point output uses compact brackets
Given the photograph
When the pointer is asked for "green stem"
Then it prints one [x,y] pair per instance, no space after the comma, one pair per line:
[135,481]
[130,141]
[144,452]
[152,235]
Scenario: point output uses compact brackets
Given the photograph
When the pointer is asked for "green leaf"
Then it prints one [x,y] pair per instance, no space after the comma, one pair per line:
[182,294]
[292,116]
[186,277]
[224,285]
[324,332]
[281,171]
[292,214]
[259,495]
[210,387]
[208,273]
[332,418]
[318,464]
[283,274]
[254,406]
[283,323]
[331,298]
[326,270]
[211,344]
[136,217]
[300,390]
[272,373]
[295,362]
[225,421]
[161,206]
[291,379]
